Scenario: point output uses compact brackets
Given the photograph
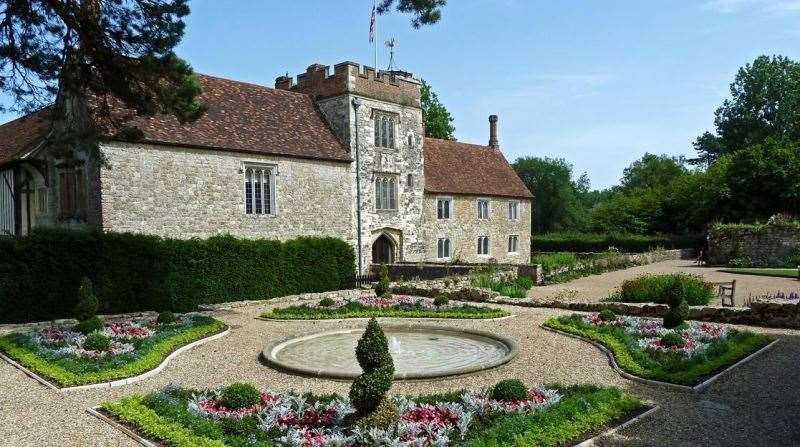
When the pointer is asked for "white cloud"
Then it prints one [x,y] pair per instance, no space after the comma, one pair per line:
[733,6]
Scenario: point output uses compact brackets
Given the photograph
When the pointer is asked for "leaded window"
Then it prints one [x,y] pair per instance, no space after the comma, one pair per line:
[384,131]
[513,244]
[443,248]
[444,208]
[513,210]
[259,190]
[483,209]
[385,193]
[483,245]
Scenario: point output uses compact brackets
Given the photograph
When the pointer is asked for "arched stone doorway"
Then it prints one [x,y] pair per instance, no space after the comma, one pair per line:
[383,250]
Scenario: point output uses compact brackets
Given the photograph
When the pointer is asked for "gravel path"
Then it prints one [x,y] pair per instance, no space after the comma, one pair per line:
[756,405]
[596,287]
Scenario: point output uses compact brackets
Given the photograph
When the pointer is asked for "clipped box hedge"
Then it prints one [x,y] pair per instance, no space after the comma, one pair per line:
[627,243]
[40,273]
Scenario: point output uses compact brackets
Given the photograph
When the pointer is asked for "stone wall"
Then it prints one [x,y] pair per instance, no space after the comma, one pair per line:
[428,271]
[401,226]
[779,315]
[464,228]
[458,288]
[185,193]
[758,245]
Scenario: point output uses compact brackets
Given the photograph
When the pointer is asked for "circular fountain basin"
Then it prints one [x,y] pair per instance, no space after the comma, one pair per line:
[418,352]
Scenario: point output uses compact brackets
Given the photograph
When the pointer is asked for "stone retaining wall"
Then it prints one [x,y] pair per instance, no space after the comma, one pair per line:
[778,315]
[764,245]
[624,260]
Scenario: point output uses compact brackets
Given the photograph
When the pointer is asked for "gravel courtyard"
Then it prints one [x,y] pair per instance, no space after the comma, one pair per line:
[596,287]
[757,404]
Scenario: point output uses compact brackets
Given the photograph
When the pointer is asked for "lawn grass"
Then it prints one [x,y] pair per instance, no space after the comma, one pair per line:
[352,310]
[775,272]
[665,368]
[66,373]
[583,411]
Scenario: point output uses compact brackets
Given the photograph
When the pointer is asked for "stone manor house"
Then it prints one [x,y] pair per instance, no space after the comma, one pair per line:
[341,154]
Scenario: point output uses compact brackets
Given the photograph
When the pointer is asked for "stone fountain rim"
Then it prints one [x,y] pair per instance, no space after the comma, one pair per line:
[267,354]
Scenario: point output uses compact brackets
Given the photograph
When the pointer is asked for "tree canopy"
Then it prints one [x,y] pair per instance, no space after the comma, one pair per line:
[425,12]
[438,122]
[557,204]
[764,103]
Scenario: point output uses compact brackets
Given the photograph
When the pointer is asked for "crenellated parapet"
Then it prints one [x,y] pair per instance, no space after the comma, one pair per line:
[348,77]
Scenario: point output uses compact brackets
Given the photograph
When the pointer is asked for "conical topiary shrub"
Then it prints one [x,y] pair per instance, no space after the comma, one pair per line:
[86,309]
[368,391]
[678,307]
[383,288]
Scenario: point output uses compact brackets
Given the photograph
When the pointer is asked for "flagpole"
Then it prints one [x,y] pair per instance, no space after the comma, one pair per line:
[375,41]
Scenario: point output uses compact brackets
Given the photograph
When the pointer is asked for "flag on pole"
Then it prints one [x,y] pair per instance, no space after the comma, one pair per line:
[372,18]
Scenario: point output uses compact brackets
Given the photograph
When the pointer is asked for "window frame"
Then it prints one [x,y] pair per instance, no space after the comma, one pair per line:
[268,195]
[515,205]
[484,246]
[72,192]
[515,238]
[444,248]
[450,207]
[384,129]
[392,194]
[488,208]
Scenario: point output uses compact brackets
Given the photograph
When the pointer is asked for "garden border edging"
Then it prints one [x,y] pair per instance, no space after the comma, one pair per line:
[118,382]
[700,387]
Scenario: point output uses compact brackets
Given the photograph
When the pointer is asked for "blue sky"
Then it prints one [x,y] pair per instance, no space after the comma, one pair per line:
[595,82]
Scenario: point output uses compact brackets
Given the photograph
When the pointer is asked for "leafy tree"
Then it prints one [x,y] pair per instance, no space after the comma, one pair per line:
[556,204]
[425,12]
[652,171]
[438,122]
[73,50]
[764,103]
[763,179]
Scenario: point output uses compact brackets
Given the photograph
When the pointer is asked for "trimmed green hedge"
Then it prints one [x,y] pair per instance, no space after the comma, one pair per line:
[40,273]
[628,243]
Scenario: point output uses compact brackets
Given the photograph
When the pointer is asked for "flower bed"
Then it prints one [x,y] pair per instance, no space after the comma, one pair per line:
[685,355]
[127,348]
[175,416]
[368,305]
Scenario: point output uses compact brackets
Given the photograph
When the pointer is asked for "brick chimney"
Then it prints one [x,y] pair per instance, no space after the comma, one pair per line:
[493,143]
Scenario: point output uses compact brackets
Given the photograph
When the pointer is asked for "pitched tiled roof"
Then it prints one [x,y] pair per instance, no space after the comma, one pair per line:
[241,117]
[460,168]
[22,134]
[250,118]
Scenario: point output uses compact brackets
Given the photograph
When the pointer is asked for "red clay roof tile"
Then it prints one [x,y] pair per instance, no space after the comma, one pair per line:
[452,167]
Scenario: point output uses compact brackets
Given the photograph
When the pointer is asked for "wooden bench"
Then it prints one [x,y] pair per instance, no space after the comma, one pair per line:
[726,292]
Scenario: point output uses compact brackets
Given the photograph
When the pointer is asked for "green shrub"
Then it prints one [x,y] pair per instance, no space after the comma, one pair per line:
[672,340]
[607,315]
[524,282]
[382,289]
[327,302]
[663,288]
[555,261]
[510,389]
[96,342]
[88,326]
[40,273]
[372,353]
[676,315]
[240,395]
[441,300]
[87,301]
[596,243]
[166,317]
